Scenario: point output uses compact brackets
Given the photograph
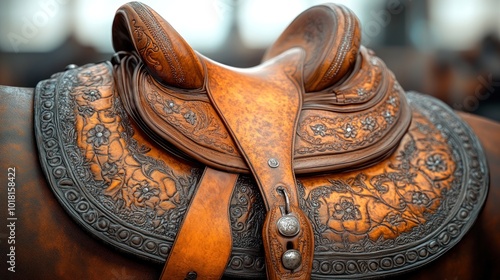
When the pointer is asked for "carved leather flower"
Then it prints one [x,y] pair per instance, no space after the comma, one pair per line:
[91,94]
[319,129]
[190,117]
[346,210]
[98,135]
[435,163]
[369,123]
[109,169]
[389,118]
[394,218]
[391,101]
[349,131]
[420,198]
[170,107]
[145,191]
[86,110]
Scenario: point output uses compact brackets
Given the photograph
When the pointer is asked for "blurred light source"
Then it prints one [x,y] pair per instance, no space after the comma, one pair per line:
[43,25]
[204,24]
[261,21]
[33,26]
[459,24]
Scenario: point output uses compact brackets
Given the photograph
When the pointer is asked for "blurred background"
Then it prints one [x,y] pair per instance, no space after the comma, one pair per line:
[446,48]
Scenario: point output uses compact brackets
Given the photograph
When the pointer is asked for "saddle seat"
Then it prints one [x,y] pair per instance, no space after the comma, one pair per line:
[313,164]
[181,113]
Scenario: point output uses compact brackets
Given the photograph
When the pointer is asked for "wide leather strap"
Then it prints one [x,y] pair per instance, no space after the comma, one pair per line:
[205,234]
[262,119]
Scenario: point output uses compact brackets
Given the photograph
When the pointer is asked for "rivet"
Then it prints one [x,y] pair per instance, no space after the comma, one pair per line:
[192,275]
[273,163]
[71,66]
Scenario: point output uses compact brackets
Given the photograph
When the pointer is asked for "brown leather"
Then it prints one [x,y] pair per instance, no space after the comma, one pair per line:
[205,233]
[262,118]
[167,56]
[115,177]
[48,242]
[275,245]
[187,119]
[53,246]
[331,36]
[239,120]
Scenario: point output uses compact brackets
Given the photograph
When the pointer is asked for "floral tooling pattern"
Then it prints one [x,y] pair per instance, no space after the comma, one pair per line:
[354,211]
[133,181]
[405,212]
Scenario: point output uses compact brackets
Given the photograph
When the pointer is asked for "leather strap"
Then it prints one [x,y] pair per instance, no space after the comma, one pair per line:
[262,118]
[205,235]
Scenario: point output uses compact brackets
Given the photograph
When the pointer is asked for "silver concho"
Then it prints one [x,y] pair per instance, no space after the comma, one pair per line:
[288,226]
[291,259]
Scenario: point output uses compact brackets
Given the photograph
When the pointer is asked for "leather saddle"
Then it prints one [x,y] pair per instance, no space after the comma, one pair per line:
[313,164]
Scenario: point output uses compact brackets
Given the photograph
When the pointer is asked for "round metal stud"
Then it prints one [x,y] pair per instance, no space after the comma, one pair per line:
[192,275]
[273,163]
[288,226]
[291,259]
[71,66]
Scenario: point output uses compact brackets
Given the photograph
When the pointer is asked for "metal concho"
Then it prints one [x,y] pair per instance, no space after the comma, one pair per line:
[288,226]
[291,259]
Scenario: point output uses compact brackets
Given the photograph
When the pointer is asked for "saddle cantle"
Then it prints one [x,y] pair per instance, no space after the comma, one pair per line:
[313,164]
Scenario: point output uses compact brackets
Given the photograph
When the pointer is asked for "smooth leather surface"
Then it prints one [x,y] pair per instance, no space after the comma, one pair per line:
[262,118]
[205,232]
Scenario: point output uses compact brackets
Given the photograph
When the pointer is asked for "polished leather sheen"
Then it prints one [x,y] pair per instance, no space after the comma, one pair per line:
[366,88]
[205,232]
[262,118]
[176,158]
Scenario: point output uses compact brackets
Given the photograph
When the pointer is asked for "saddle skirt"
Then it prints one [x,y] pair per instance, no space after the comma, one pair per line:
[379,181]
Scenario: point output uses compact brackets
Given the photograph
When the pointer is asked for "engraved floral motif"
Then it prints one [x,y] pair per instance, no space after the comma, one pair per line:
[91,94]
[144,191]
[346,210]
[190,117]
[331,132]
[99,135]
[86,111]
[369,123]
[195,120]
[389,118]
[373,263]
[391,101]
[361,210]
[394,219]
[170,107]
[350,131]
[246,214]
[109,169]
[319,129]
[420,198]
[361,92]
[435,163]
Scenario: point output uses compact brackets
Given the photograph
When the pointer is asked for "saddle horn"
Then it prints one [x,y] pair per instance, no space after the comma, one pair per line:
[167,56]
[331,35]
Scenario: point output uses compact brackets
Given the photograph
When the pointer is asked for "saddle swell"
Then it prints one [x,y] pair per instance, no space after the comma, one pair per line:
[313,164]
[185,117]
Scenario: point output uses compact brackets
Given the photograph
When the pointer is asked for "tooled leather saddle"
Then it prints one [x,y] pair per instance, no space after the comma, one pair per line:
[313,164]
